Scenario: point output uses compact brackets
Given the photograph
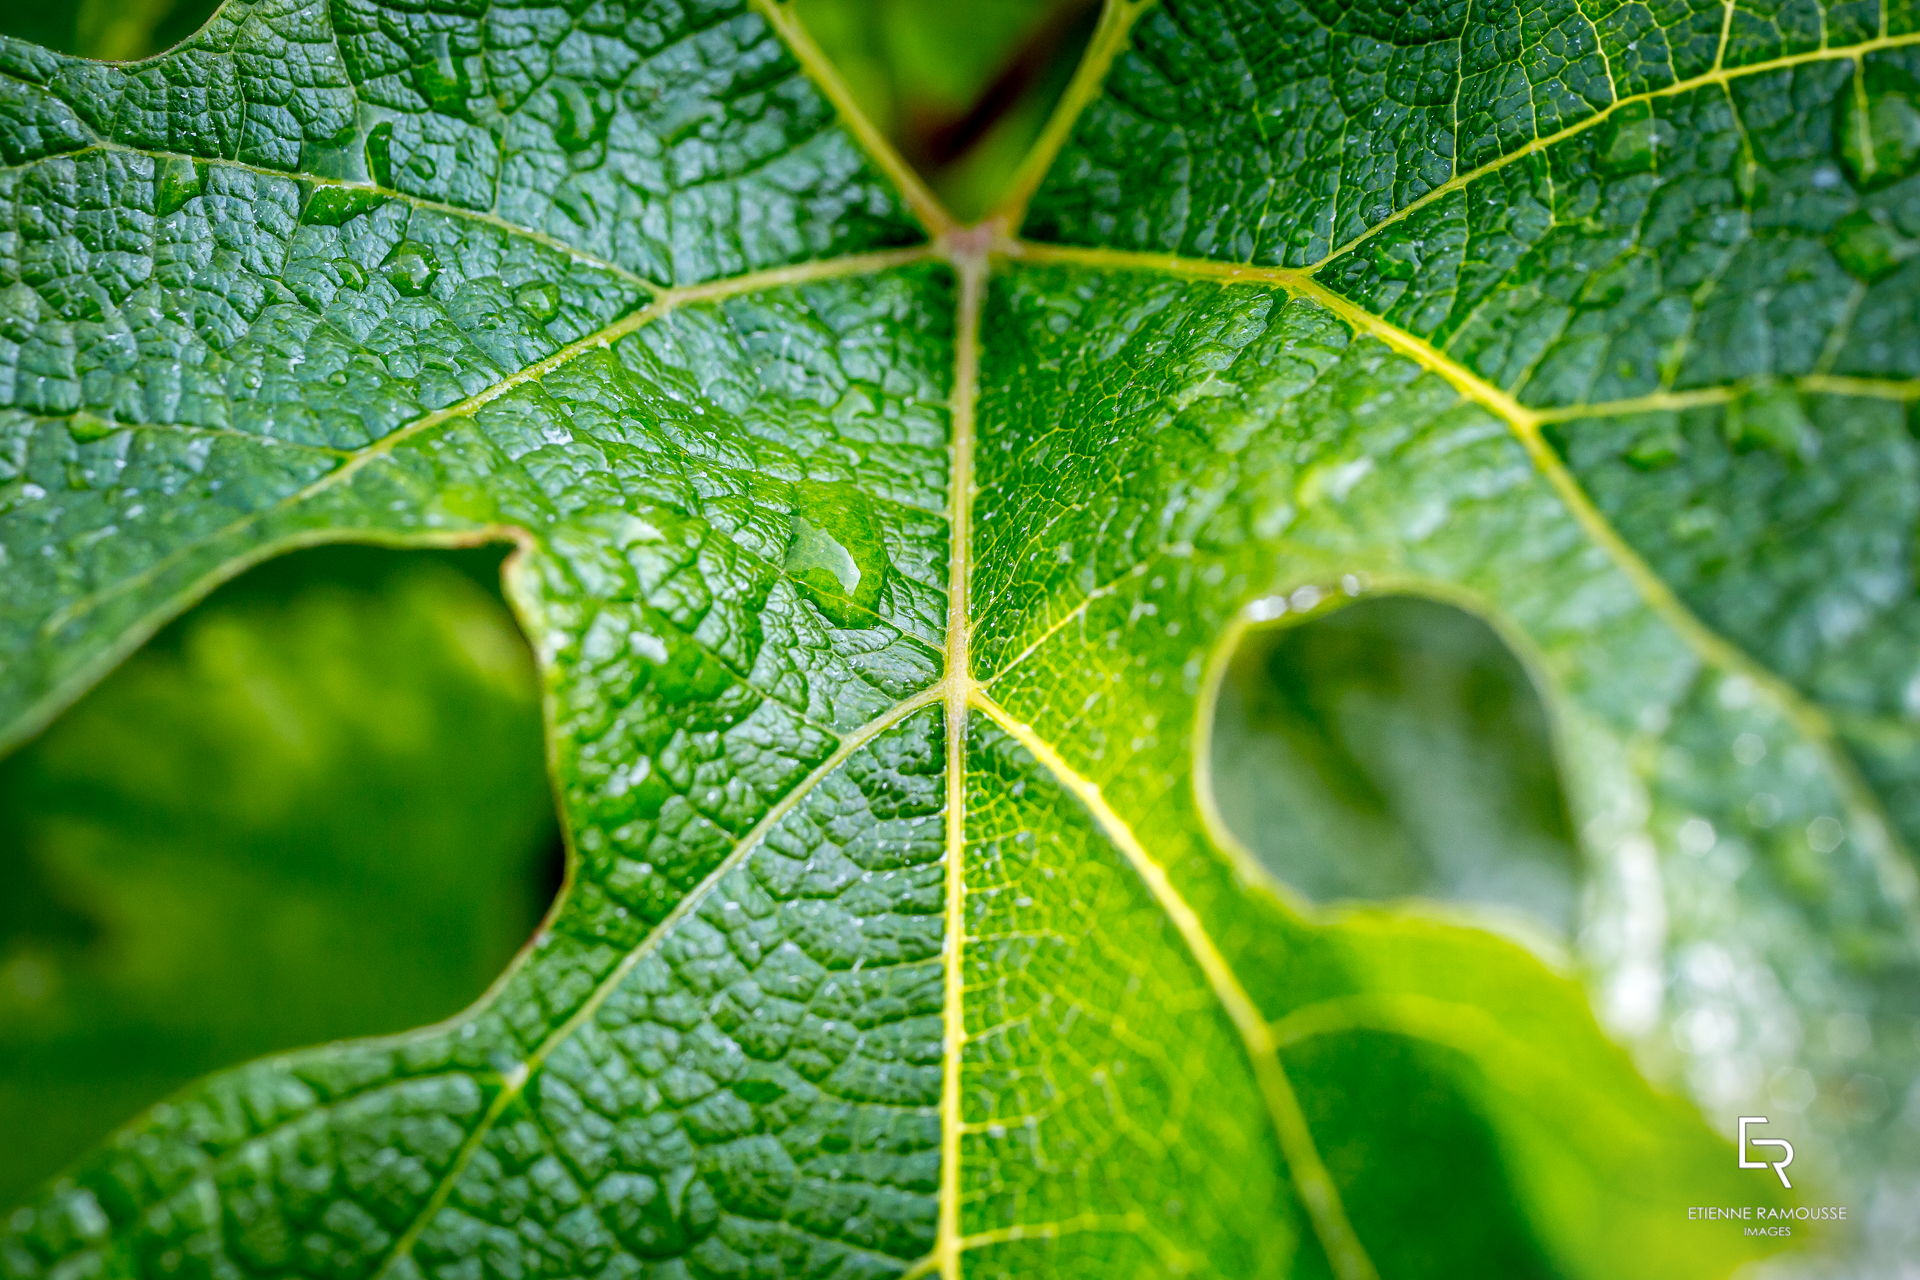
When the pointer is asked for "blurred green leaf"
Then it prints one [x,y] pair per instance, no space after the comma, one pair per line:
[963,88]
[118,30]
[314,808]
[1395,748]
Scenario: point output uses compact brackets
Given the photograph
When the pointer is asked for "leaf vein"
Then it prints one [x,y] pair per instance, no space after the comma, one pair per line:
[1542,143]
[1310,1176]
[513,1088]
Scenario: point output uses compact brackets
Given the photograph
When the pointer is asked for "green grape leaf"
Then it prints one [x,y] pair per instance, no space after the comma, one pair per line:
[882,574]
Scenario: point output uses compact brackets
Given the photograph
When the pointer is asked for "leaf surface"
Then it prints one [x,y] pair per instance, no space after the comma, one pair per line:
[881,573]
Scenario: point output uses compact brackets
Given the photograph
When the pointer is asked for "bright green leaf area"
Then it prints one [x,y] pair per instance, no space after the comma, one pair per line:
[312,810]
[880,573]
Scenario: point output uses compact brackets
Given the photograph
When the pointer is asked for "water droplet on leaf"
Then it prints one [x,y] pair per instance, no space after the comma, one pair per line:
[343,156]
[1879,134]
[412,267]
[541,301]
[1868,245]
[1659,444]
[1395,262]
[1771,418]
[759,1092]
[379,155]
[1628,141]
[332,206]
[176,180]
[443,79]
[85,428]
[836,551]
[581,122]
[659,1217]
[577,208]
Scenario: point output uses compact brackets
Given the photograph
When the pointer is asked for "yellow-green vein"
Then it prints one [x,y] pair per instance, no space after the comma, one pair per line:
[514,1082]
[665,301]
[1109,37]
[919,197]
[1718,75]
[970,261]
[1315,1185]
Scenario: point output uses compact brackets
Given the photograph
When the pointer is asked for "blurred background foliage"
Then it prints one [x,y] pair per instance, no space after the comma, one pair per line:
[1394,747]
[118,30]
[963,87]
[316,806]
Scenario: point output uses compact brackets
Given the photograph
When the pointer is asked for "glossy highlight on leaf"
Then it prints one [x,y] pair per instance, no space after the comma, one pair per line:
[881,573]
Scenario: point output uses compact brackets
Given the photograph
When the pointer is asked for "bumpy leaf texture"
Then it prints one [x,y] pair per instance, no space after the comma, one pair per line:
[881,571]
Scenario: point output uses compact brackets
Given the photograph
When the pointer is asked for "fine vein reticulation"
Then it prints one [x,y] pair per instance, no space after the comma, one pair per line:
[877,567]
